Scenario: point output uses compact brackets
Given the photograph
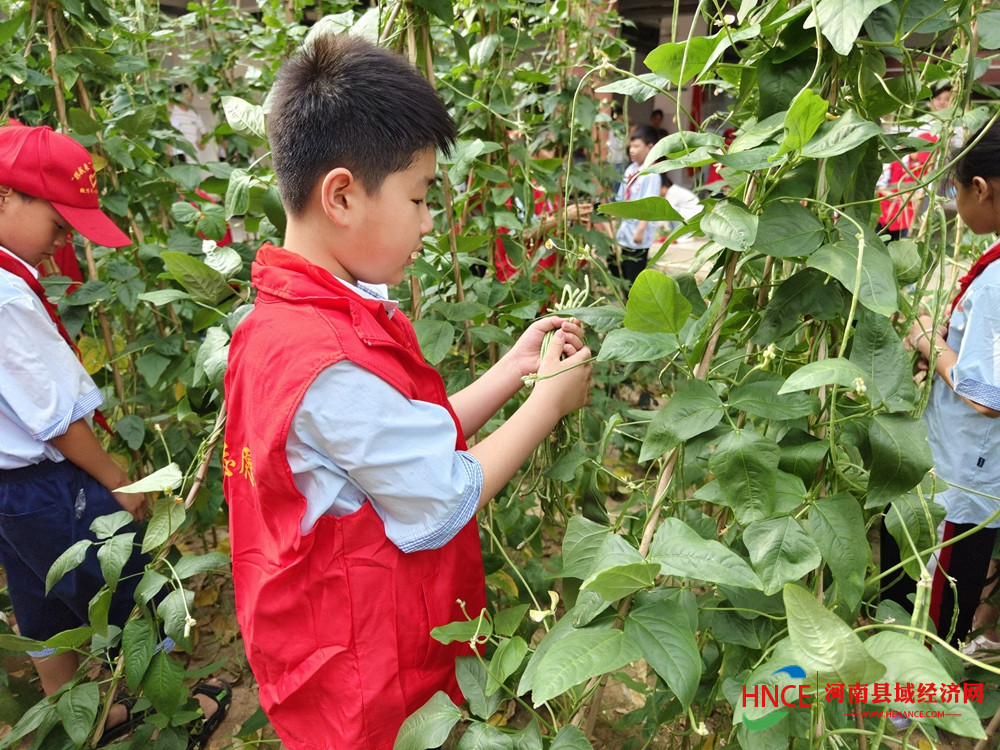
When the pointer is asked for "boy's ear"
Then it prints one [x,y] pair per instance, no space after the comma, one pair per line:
[338,194]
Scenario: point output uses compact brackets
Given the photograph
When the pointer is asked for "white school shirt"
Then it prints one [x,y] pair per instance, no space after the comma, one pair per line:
[378,444]
[43,386]
[964,443]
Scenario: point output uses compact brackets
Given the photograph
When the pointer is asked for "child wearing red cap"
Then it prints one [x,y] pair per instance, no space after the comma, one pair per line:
[55,476]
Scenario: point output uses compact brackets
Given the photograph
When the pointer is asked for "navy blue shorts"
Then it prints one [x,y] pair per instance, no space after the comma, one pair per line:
[45,509]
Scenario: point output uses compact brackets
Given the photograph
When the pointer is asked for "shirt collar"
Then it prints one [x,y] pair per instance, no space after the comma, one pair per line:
[378,292]
[34,271]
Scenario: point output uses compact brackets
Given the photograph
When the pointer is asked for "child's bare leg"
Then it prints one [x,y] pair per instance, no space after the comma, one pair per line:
[56,670]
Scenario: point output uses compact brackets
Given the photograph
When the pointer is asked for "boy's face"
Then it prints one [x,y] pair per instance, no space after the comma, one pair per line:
[394,222]
[638,150]
[31,228]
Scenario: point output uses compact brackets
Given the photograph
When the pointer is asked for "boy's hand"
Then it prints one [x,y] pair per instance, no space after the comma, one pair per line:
[569,380]
[134,503]
[527,349]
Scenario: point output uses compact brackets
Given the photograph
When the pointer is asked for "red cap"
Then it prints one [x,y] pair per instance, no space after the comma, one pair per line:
[45,164]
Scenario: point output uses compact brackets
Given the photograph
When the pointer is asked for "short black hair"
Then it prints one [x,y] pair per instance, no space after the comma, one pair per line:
[341,101]
[656,112]
[982,159]
[646,133]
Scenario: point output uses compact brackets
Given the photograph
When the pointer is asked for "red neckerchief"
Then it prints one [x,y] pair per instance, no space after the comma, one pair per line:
[16,267]
[977,268]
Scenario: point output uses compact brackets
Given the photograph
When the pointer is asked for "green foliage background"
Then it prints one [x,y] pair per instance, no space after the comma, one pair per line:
[718,528]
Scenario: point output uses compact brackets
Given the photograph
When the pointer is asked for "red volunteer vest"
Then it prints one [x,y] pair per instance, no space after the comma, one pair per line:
[336,623]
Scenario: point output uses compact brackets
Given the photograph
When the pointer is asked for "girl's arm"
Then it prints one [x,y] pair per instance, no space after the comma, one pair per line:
[921,338]
[80,445]
[477,403]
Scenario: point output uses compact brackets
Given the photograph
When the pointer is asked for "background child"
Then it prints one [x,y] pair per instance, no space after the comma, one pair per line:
[352,512]
[965,396]
[634,236]
[55,477]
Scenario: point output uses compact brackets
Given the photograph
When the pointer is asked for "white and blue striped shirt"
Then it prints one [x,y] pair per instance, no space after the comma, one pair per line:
[354,437]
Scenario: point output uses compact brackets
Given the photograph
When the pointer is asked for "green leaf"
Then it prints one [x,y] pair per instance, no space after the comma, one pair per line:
[570,738]
[731,225]
[601,318]
[113,555]
[577,657]
[839,136]
[132,430]
[151,366]
[824,643]
[481,736]
[529,738]
[249,728]
[831,371]
[78,709]
[840,21]
[914,517]
[88,294]
[472,679]
[237,199]
[212,358]
[105,527]
[435,337]
[463,630]
[245,119]
[507,659]
[640,88]
[679,62]
[163,684]
[901,456]
[623,345]
[506,621]
[781,552]
[692,410]
[621,580]
[746,465]
[163,296]
[138,646]
[173,610]
[652,208]
[202,282]
[805,115]
[908,661]
[655,304]
[161,480]
[988,25]
[149,586]
[192,565]
[867,272]
[682,553]
[759,396]
[581,544]
[430,725]
[668,644]
[168,516]
[440,8]
[877,350]
[807,292]
[837,525]
[66,562]
[788,230]
[615,552]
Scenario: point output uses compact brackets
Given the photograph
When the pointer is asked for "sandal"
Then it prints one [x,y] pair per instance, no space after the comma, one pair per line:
[132,722]
[223,696]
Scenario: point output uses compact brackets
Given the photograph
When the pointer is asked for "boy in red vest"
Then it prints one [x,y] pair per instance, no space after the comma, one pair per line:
[55,476]
[352,492]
